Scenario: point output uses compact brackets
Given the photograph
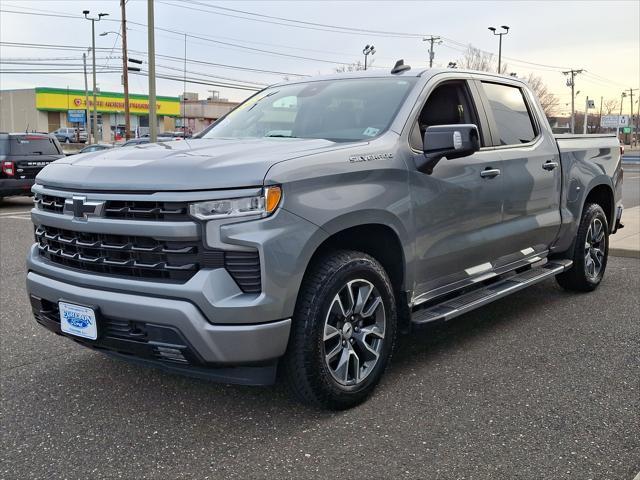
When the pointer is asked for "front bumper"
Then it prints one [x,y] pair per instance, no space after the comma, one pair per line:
[162,331]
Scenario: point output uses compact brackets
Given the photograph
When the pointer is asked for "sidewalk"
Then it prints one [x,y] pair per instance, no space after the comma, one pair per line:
[626,242]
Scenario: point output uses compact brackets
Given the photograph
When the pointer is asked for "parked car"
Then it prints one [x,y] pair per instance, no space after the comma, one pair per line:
[318,221]
[71,135]
[96,147]
[22,156]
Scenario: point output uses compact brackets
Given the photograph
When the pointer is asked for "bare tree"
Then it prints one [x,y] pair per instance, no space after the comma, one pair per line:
[610,107]
[351,67]
[548,100]
[476,59]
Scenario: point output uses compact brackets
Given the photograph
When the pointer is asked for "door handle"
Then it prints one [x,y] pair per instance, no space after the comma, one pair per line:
[490,172]
[549,165]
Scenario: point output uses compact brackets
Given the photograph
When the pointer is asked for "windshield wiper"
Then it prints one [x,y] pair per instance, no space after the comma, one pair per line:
[279,135]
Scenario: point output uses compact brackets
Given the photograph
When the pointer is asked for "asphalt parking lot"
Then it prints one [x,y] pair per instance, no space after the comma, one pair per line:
[541,385]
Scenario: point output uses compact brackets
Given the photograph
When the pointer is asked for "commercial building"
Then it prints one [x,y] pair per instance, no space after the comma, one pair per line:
[198,114]
[46,109]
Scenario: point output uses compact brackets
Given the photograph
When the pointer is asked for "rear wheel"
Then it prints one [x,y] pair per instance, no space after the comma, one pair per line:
[343,331]
[590,252]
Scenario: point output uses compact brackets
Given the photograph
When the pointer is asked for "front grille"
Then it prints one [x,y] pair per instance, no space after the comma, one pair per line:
[125,209]
[132,256]
[144,258]
[49,203]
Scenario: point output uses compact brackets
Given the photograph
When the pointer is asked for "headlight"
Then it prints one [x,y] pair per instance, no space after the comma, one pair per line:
[260,205]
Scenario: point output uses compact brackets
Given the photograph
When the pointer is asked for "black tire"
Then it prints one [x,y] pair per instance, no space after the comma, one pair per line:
[308,373]
[66,140]
[580,277]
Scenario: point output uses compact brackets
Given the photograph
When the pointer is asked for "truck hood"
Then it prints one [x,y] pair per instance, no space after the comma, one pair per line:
[199,164]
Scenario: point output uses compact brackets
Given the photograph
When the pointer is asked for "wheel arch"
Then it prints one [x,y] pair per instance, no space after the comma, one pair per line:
[377,240]
[602,194]
[381,242]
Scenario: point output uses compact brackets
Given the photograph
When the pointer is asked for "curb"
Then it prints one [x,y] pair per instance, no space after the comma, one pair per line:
[624,252]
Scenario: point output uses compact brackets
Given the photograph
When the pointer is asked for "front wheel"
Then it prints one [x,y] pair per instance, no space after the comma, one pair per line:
[343,331]
[590,252]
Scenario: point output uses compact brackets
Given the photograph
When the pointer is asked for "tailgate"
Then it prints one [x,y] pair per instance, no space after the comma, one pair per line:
[28,166]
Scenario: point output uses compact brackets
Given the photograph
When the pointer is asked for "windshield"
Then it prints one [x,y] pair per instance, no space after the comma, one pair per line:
[337,110]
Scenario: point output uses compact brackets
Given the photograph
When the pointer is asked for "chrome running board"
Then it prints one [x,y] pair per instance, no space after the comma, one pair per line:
[453,307]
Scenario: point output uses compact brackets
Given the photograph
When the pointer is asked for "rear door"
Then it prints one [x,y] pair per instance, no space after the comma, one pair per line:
[530,169]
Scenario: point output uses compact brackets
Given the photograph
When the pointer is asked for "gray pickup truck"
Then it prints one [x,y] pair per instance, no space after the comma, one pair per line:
[317,221]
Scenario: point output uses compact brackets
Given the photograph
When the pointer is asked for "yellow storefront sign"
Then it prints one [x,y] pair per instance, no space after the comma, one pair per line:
[58,99]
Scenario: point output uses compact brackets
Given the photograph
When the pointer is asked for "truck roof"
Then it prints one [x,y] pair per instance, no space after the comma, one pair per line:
[378,72]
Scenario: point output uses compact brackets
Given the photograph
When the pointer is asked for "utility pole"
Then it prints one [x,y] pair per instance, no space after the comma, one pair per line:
[506,31]
[93,52]
[631,90]
[86,99]
[572,83]
[432,40]
[184,91]
[153,120]
[125,71]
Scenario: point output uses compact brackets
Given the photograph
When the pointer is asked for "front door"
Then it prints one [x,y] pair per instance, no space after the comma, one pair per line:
[458,207]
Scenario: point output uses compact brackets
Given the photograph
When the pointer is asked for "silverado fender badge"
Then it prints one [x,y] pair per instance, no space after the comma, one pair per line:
[370,157]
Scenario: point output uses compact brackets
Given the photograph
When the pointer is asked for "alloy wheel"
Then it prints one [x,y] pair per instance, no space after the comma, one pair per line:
[354,332]
[594,248]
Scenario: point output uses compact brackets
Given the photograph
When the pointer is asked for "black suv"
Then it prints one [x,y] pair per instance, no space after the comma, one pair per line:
[22,156]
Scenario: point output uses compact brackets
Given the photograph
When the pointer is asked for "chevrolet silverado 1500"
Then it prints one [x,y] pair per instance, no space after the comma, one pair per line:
[314,223]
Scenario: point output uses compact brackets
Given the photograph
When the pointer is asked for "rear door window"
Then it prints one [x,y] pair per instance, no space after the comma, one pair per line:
[32,145]
[511,114]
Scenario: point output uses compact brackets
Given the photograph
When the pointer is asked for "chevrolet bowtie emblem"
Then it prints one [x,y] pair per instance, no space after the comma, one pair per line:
[81,209]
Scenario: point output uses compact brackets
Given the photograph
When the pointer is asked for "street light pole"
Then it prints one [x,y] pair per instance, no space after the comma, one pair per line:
[125,80]
[368,50]
[93,51]
[500,34]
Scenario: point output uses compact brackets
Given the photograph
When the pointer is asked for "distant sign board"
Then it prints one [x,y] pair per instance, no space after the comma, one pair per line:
[76,116]
[626,130]
[614,121]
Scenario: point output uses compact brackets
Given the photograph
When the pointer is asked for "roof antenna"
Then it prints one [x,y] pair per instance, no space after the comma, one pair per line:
[400,67]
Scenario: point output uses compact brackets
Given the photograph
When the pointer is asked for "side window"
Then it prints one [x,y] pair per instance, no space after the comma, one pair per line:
[512,117]
[448,104]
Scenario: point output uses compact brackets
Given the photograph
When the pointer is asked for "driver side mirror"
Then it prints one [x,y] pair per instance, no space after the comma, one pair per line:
[448,141]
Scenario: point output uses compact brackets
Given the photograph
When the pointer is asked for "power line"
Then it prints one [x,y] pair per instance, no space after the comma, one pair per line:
[49,46]
[205,38]
[296,23]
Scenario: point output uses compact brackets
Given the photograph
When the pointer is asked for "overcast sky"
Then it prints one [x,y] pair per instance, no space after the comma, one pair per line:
[602,37]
